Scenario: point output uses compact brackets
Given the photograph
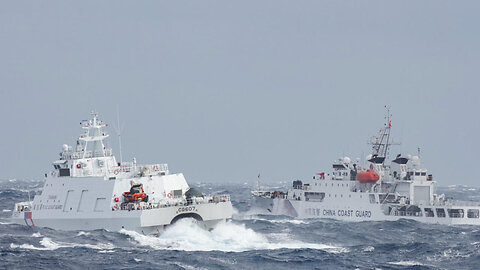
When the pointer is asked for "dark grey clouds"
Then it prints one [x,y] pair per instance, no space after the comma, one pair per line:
[224,90]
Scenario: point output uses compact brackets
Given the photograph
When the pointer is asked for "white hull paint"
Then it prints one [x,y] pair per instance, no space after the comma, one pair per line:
[376,191]
[86,191]
[341,204]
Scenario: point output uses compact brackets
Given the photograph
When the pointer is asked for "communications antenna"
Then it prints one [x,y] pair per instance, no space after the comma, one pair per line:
[118,130]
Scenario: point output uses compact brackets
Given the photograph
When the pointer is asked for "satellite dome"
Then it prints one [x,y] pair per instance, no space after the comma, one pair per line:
[416,160]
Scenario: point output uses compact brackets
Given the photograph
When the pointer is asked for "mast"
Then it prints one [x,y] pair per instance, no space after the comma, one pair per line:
[381,143]
[93,138]
[388,126]
[119,131]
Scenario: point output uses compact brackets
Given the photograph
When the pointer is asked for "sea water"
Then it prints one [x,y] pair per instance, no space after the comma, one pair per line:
[251,240]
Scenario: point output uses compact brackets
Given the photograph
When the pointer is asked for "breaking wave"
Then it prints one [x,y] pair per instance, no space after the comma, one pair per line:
[48,244]
[227,236]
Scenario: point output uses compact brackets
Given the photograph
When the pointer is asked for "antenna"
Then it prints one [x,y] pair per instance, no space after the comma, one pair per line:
[381,143]
[258,182]
[388,125]
[118,129]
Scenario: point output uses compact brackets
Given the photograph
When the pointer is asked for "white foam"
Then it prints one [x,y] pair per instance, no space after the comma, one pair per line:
[188,267]
[227,236]
[37,234]
[369,249]
[292,221]
[25,246]
[6,210]
[49,244]
[106,251]
[82,233]
[407,263]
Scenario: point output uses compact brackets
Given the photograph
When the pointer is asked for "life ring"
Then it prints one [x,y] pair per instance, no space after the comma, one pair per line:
[79,166]
[116,172]
[155,168]
[169,195]
[116,199]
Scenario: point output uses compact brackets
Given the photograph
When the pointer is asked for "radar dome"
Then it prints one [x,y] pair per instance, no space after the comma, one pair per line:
[416,160]
[347,160]
[65,147]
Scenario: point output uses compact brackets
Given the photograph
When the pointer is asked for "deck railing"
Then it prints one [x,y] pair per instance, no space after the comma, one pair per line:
[171,203]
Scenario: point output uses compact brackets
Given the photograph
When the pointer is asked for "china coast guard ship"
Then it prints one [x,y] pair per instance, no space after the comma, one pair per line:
[378,191]
[89,190]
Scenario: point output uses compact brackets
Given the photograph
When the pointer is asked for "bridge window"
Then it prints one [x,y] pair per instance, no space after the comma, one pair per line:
[440,212]
[455,213]
[429,212]
[472,213]
[414,211]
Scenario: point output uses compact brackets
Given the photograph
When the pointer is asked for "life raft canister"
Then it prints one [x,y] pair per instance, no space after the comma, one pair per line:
[370,176]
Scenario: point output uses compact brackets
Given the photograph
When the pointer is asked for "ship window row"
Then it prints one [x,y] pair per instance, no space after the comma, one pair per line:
[338,184]
[420,173]
[453,213]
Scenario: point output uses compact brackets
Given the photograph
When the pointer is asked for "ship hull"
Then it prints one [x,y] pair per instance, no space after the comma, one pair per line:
[357,211]
[148,221]
[91,203]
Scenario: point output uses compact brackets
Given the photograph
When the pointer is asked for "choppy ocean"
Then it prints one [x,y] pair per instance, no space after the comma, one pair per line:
[251,240]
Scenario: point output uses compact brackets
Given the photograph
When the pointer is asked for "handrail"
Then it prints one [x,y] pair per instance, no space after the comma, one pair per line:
[173,203]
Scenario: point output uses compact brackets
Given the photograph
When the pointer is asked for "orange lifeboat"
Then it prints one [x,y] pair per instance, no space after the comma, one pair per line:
[370,176]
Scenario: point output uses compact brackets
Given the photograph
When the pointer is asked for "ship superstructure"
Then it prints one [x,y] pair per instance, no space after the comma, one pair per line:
[376,191]
[88,189]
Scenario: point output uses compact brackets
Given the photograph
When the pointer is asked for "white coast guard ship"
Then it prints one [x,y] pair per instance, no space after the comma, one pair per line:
[377,192]
[89,190]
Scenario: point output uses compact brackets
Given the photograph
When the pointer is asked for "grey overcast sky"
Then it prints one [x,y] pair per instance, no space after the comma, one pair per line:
[224,90]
